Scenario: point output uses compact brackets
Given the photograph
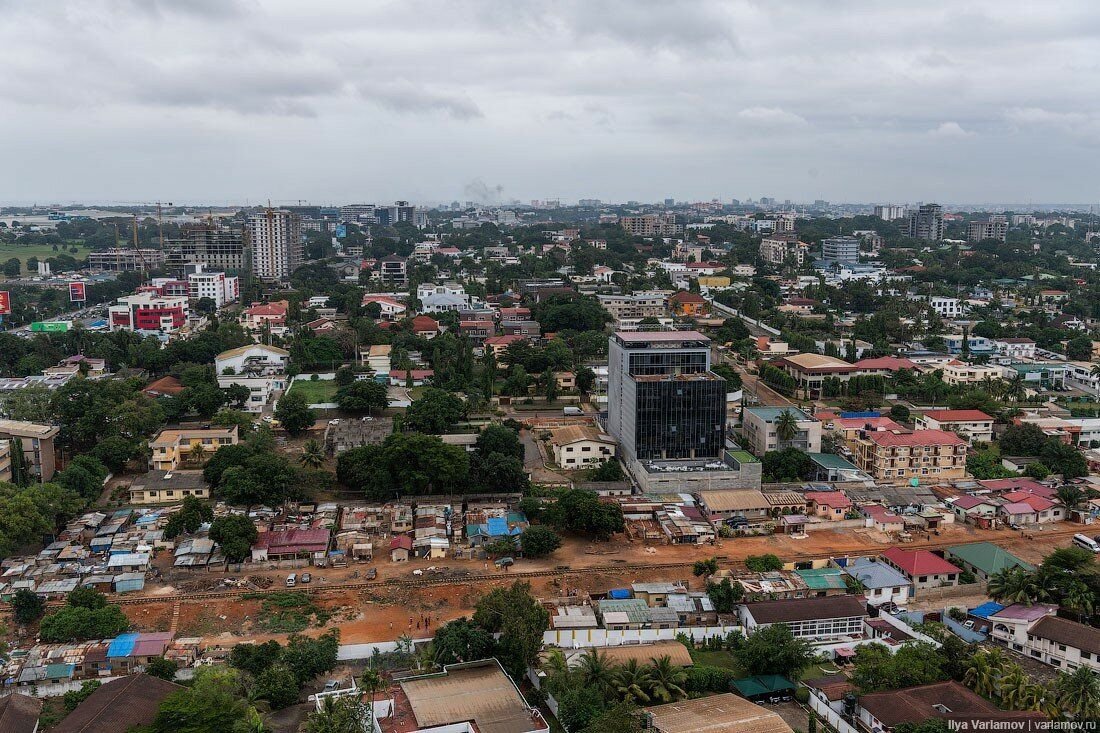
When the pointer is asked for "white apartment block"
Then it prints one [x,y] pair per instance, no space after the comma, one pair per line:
[275,239]
[1036,632]
[441,298]
[890,212]
[947,307]
[1014,348]
[647,304]
[217,286]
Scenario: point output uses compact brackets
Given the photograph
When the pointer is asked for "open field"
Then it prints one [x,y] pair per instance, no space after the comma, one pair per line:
[315,392]
[41,251]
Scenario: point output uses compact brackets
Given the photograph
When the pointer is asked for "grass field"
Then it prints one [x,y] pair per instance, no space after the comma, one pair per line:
[714,659]
[41,251]
[315,392]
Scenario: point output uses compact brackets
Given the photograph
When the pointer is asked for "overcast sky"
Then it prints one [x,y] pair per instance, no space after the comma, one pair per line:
[226,101]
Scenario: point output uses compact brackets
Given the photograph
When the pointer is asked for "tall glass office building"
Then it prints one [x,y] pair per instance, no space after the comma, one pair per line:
[663,401]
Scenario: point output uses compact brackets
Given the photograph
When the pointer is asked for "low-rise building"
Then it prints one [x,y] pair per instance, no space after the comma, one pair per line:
[252,360]
[974,425]
[922,568]
[882,712]
[157,487]
[37,443]
[760,426]
[926,455]
[810,370]
[985,559]
[722,712]
[581,447]
[832,618]
[173,447]
[830,505]
[881,582]
[1037,632]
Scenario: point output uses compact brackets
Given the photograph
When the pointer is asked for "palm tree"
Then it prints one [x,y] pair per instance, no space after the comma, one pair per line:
[1070,495]
[786,426]
[597,670]
[985,668]
[1078,693]
[372,682]
[631,682]
[198,452]
[668,680]
[313,455]
[1013,686]
[1015,585]
[1080,599]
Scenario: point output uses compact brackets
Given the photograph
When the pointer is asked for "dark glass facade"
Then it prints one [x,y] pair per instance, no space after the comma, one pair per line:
[679,419]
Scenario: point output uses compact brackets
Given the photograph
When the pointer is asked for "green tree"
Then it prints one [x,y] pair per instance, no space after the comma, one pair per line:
[1036,470]
[215,701]
[235,534]
[1078,693]
[313,454]
[610,470]
[789,464]
[163,668]
[294,414]
[461,641]
[775,650]
[520,620]
[223,459]
[27,606]
[899,413]
[115,452]
[434,411]
[725,595]
[763,563]
[72,699]
[539,541]
[1064,459]
[499,439]
[192,515]
[786,427]
[498,472]
[278,685]
[667,680]
[1025,439]
[364,395]
[255,658]
[631,682]
[405,463]
[264,478]
[582,512]
[309,657]
[578,707]
[12,267]
[338,715]
[551,383]
[705,567]
[915,663]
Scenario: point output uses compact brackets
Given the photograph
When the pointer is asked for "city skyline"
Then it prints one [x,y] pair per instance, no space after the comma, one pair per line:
[243,101]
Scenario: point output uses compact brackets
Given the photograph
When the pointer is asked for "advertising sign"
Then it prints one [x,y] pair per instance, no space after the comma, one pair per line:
[5,303]
[77,293]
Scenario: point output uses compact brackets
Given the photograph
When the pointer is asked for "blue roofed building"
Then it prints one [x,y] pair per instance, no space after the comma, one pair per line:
[881,583]
[494,529]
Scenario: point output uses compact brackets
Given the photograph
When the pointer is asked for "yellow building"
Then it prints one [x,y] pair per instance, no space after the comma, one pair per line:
[958,373]
[714,281]
[926,455]
[173,447]
[5,461]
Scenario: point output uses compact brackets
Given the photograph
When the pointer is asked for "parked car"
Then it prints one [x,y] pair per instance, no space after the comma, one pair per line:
[306,577]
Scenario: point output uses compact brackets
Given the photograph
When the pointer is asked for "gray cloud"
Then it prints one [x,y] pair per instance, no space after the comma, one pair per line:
[577,98]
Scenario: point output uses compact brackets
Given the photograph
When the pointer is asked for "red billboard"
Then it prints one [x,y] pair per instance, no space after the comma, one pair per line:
[5,303]
[77,293]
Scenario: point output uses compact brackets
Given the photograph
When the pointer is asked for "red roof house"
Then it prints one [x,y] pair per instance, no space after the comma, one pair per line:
[289,543]
[916,564]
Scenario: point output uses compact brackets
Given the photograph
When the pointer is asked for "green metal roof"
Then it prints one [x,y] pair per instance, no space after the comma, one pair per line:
[636,610]
[987,557]
[832,460]
[762,685]
[822,578]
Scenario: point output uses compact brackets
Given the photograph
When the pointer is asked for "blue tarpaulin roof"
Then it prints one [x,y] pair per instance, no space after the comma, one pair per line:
[860,415]
[619,593]
[122,645]
[986,609]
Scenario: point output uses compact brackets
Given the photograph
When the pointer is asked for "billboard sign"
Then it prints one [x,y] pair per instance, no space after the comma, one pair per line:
[5,303]
[51,326]
[341,231]
[77,292]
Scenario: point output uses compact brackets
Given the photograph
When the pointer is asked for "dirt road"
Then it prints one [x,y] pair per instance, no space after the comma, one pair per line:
[398,602]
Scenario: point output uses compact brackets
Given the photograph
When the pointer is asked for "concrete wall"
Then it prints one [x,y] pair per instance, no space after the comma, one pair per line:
[954,591]
[581,638]
[829,715]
